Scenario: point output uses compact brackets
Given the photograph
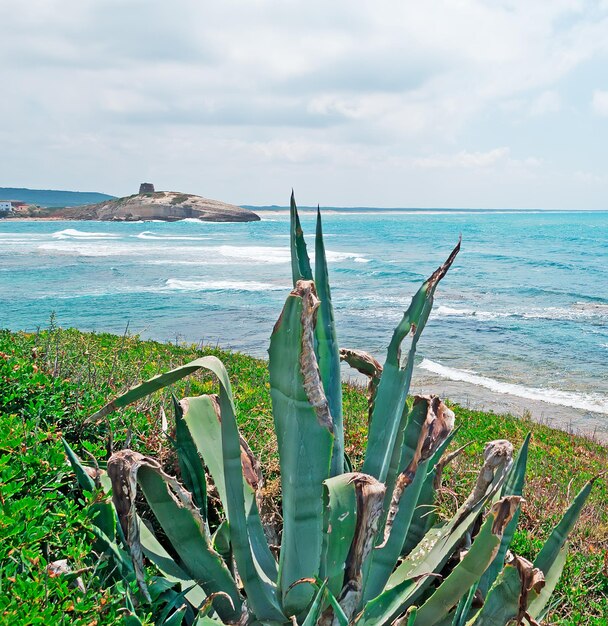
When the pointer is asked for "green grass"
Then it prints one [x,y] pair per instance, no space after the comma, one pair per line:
[49,382]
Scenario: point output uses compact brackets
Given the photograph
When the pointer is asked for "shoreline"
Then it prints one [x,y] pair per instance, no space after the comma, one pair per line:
[570,420]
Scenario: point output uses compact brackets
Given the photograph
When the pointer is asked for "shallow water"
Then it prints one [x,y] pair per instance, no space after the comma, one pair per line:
[521,320]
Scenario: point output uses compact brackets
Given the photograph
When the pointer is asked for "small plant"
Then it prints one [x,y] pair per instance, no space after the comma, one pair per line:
[350,547]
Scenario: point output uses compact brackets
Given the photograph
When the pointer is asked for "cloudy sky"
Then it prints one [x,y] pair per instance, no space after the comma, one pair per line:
[353,103]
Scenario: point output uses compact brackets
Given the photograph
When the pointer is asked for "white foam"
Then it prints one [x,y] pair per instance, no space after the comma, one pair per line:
[82,248]
[446,311]
[222,285]
[191,220]
[548,313]
[159,236]
[269,254]
[594,403]
[259,254]
[72,233]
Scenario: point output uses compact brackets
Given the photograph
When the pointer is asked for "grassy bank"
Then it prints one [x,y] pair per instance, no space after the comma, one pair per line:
[49,382]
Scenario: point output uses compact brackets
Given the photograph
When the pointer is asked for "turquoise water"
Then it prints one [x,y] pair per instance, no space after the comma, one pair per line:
[523,314]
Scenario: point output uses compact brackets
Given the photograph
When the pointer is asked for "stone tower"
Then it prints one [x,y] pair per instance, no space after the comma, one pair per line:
[146,188]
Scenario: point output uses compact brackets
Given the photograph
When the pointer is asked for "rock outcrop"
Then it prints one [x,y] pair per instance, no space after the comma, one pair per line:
[168,206]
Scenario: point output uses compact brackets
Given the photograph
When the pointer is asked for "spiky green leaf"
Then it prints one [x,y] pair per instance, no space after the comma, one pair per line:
[305,442]
[328,353]
[396,377]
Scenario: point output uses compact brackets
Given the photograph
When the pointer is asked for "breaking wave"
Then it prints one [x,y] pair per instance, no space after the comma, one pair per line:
[594,403]
[150,235]
[72,233]
[221,285]
[577,311]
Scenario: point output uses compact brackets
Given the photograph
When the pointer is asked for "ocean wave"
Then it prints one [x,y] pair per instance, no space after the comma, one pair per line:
[594,403]
[269,254]
[85,248]
[222,285]
[150,235]
[72,233]
[575,312]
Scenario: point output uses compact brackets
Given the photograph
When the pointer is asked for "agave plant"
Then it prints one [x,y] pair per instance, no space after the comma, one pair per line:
[360,548]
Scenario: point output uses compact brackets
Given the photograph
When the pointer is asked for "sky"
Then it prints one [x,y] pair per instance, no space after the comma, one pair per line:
[350,102]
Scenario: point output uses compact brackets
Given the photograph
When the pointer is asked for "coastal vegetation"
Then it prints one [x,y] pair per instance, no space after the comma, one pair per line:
[353,546]
[51,381]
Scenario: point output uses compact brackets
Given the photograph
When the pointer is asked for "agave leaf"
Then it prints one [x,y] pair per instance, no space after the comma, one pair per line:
[192,470]
[369,498]
[316,607]
[339,617]
[201,415]
[477,559]
[83,478]
[464,606]
[120,557]
[261,590]
[300,263]
[428,424]
[396,377]
[179,518]
[511,595]
[513,486]
[327,350]
[383,607]
[102,513]
[423,517]
[154,551]
[176,617]
[367,365]
[439,543]
[130,618]
[305,441]
[507,599]
[409,618]
[203,420]
[340,519]
[149,386]
[538,605]
[419,445]
[205,620]
[221,541]
[402,595]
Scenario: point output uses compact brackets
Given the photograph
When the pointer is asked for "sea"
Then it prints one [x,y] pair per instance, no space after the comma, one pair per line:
[520,322]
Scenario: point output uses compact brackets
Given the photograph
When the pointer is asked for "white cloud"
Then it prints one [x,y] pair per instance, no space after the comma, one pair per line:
[464,159]
[589,177]
[545,103]
[214,92]
[600,102]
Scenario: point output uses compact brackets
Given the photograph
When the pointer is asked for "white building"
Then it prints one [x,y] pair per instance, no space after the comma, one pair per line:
[5,206]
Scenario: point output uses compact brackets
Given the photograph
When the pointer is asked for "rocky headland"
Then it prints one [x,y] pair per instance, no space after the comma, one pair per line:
[169,206]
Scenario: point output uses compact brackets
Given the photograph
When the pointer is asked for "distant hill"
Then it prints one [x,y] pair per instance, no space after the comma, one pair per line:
[168,206]
[52,198]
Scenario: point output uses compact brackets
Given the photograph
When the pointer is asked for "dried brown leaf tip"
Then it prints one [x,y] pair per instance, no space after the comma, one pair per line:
[123,467]
[309,367]
[442,270]
[370,497]
[532,579]
[497,459]
[437,425]
[367,365]
[503,512]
